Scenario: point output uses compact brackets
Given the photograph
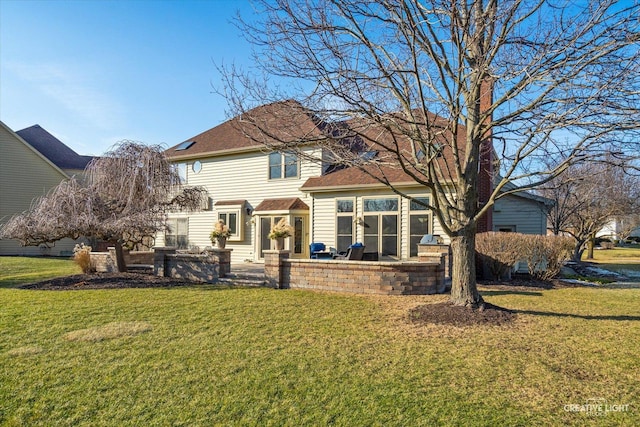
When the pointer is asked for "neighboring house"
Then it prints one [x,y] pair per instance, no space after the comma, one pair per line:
[251,188]
[32,162]
[53,149]
[521,212]
[613,229]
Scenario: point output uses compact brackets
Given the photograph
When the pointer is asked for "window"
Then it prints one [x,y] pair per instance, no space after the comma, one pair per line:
[266,223]
[419,223]
[380,205]
[298,236]
[181,170]
[185,145]
[231,219]
[197,166]
[344,224]
[233,216]
[178,233]
[381,225]
[283,165]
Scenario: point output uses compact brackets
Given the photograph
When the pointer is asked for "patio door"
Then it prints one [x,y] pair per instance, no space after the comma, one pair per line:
[381,234]
[298,244]
[266,223]
[381,225]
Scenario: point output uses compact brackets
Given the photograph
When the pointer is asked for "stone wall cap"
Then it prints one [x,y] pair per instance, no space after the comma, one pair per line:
[359,263]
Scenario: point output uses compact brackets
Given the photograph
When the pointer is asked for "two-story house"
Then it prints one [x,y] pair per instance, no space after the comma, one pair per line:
[251,188]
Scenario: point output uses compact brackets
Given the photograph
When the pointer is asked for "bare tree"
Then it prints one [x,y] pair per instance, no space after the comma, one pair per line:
[628,224]
[431,85]
[587,197]
[124,200]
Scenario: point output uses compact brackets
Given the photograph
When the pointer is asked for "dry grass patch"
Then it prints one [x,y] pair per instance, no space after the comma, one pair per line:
[25,351]
[108,331]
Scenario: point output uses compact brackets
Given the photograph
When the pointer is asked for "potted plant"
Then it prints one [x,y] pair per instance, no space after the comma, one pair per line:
[279,232]
[220,234]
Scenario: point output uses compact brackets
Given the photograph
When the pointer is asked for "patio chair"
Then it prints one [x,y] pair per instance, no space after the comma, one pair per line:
[354,253]
[318,250]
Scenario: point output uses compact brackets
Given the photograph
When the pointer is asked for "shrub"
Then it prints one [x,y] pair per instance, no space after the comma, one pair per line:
[599,241]
[500,251]
[607,245]
[82,257]
[545,255]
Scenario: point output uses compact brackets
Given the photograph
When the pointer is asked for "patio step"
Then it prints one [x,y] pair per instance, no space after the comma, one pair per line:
[243,279]
[140,268]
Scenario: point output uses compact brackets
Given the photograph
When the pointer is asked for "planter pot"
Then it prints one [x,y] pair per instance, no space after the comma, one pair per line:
[280,243]
[221,242]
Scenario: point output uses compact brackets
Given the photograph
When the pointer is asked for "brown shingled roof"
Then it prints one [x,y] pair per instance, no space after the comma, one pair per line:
[286,121]
[375,137]
[230,202]
[289,204]
[356,177]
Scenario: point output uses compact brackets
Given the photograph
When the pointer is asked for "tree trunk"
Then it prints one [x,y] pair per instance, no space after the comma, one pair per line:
[464,290]
[120,262]
[590,245]
[578,250]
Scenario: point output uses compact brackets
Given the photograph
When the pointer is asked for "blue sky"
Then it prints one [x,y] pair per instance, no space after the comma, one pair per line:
[94,72]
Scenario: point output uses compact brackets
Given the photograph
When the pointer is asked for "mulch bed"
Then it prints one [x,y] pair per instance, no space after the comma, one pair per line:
[445,313]
[106,281]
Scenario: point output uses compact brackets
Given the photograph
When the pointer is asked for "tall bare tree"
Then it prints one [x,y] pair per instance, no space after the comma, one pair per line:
[124,199]
[540,79]
[588,197]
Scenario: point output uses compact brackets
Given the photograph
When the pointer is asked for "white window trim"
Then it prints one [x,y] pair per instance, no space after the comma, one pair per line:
[239,210]
[397,212]
[283,166]
[352,214]
[426,211]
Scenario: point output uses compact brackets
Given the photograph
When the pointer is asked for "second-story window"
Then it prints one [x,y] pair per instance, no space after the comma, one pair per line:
[283,165]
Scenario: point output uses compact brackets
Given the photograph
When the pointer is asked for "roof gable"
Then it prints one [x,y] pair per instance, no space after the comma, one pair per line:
[287,204]
[53,149]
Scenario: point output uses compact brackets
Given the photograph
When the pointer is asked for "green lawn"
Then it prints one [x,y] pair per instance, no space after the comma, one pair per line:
[624,260]
[17,270]
[208,355]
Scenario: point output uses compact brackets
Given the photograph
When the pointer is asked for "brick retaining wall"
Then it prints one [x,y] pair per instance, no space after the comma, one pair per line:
[366,277]
[106,261]
[207,267]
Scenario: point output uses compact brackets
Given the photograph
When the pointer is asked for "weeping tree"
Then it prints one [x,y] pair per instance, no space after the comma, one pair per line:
[445,91]
[123,199]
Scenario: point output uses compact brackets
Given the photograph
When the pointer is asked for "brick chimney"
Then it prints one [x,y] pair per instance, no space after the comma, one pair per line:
[486,172]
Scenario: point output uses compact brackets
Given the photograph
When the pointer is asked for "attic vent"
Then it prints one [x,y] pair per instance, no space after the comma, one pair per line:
[185,145]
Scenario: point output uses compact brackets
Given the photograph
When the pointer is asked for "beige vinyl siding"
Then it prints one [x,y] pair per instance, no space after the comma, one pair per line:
[24,176]
[242,176]
[526,215]
[324,216]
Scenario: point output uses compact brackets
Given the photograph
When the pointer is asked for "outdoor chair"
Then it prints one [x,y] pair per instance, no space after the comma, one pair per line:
[354,253]
[318,250]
